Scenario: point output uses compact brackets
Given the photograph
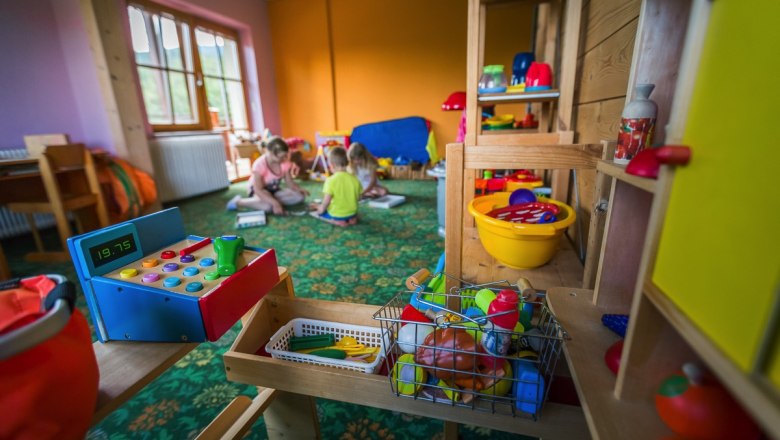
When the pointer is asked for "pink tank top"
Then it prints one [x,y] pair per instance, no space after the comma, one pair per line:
[270,179]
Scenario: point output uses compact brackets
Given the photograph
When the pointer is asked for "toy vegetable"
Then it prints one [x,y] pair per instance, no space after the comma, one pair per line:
[697,407]
[449,350]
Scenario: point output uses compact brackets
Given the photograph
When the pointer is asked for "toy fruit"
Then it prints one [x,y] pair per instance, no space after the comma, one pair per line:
[412,335]
[450,351]
[494,385]
[698,407]
[612,356]
[407,375]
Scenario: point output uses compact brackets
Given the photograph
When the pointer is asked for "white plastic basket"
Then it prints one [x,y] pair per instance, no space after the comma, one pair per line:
[279,344]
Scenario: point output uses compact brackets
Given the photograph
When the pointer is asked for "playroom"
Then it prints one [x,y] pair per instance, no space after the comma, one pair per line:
[341,219]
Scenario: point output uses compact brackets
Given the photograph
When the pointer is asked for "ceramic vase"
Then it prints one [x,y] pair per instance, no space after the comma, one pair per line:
[637,124]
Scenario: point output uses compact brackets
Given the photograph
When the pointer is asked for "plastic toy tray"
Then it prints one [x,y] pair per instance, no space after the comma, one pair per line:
[279,344]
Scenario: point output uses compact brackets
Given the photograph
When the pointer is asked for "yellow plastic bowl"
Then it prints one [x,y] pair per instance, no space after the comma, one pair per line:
[512,185]
[518,245]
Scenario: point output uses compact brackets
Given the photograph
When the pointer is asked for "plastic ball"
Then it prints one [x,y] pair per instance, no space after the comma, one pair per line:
[408,376]
[522,195]
[412,335]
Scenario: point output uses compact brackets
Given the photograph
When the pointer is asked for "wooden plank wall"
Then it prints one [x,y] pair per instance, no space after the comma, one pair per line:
[607,38]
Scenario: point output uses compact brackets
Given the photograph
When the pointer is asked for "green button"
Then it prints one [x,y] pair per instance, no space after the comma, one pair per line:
[211,276]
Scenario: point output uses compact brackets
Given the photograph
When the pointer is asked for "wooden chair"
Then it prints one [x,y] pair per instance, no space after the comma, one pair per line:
[70,185]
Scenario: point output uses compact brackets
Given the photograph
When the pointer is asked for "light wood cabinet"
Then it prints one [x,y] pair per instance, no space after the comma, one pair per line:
[661,335]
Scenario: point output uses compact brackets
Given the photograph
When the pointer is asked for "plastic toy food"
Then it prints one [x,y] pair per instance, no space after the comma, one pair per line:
[697,407]
[407,375]
[412,335]
[449,350]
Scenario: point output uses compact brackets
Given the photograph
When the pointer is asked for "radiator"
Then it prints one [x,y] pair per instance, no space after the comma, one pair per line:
[11,223]
[186,166]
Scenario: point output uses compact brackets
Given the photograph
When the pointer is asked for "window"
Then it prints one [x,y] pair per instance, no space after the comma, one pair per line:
[189,70]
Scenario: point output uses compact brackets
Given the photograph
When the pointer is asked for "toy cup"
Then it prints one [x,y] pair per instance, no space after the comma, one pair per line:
[539,77]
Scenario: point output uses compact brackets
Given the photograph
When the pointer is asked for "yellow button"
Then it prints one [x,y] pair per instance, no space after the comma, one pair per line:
[151,262]
[128,273]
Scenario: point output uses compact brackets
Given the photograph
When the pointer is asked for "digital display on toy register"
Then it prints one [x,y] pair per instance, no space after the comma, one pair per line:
[109,251]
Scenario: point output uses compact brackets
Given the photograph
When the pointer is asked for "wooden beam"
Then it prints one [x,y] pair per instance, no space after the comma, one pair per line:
[577,156]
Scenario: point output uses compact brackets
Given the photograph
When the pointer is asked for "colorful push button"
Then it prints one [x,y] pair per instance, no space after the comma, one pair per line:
[150,277]
[190,271]
[167,255]
[187,258]
[150,262]
[194,286]
[170,267]
[171,282]
[128,273]
[207,262]
[211,276]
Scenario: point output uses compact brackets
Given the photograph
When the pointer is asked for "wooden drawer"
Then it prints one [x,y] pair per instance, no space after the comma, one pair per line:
[272,312]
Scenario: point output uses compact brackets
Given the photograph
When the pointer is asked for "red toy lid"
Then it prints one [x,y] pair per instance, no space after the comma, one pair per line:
[456,101]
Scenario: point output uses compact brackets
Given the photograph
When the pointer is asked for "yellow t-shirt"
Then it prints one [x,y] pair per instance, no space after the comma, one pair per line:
[345,189]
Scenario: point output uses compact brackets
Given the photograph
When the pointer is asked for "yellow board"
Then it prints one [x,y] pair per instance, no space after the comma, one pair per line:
[719,255]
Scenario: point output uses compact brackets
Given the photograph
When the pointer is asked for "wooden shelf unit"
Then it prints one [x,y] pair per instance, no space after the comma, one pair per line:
[561,55]
[660,336]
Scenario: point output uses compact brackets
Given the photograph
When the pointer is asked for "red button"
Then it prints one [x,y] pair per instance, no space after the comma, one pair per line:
[167,255]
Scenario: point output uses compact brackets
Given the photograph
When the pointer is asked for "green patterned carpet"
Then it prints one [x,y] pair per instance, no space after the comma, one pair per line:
[366,263]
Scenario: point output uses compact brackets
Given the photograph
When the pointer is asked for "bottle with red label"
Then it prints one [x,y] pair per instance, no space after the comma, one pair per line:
[637,124]
[505,308]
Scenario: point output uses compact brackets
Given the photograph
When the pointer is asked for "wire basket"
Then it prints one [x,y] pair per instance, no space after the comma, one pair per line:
[443,360]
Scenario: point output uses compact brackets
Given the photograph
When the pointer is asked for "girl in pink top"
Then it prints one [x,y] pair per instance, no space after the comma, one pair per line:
[268,171]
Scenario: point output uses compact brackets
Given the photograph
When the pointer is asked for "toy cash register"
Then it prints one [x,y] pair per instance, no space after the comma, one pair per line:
[145,280]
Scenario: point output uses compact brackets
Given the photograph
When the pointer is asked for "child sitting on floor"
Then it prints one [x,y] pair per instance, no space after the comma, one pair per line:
[268,171]
[363,165]
[341,192]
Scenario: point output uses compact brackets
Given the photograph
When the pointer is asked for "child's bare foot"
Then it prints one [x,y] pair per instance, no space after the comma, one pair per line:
[352,221]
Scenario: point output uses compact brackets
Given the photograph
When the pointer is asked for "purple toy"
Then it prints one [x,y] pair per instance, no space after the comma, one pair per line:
[521,195]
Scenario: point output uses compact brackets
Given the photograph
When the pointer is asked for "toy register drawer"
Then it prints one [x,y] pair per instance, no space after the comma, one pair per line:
[247,363]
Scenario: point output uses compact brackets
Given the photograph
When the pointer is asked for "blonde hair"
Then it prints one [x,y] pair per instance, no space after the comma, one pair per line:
[338,157]
[359,153]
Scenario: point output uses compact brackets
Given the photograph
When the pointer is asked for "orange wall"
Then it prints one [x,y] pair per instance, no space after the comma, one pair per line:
[389,59]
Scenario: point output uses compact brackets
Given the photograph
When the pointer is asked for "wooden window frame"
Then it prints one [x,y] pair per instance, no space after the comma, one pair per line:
[201,100]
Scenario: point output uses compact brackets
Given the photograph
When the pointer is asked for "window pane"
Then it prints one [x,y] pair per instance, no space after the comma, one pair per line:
[187,44]
[158,38]
[141,42]
[236,102]
[215,93]
[193,98]
[170,40]
[182,110]
[207,49]
[229,58]
[155,92]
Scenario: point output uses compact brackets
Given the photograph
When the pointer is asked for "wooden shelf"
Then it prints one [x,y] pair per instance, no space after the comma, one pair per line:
[551,95]
[743,387]
[608,417]
[618,171]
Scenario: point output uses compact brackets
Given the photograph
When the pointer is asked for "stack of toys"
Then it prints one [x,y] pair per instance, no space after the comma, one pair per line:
[496,346]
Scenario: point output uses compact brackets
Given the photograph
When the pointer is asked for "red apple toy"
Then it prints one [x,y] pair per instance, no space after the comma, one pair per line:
[696,406]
